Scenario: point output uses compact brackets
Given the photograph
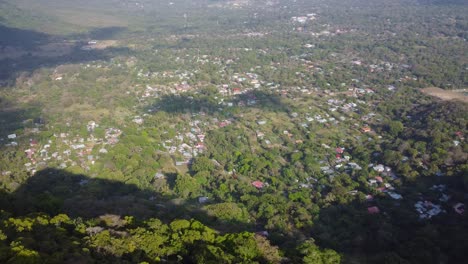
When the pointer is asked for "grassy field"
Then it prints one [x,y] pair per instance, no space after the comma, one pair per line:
[62,17]
[445,95]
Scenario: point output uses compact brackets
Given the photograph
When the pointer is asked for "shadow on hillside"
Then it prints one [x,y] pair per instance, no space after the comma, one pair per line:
[396,234]
[86,239]
[26,50]
[100,33]
[194,103]
[13,118]
[26,39]
[54,191]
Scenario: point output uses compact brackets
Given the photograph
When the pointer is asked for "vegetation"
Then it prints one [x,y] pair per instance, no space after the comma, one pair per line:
[232,131]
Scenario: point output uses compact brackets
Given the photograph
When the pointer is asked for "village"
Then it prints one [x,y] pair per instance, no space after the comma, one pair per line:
[346,108]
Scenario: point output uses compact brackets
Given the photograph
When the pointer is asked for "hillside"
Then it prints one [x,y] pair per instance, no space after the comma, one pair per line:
[215,131]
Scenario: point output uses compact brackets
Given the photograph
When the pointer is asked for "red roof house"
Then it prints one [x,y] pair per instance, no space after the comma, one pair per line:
[381,189]
[373,210]
[223,124]
[258,184]
[33,142]
[339,150]
[236,90]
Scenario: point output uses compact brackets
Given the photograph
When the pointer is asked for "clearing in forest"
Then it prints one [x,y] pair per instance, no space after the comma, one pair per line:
[446,95]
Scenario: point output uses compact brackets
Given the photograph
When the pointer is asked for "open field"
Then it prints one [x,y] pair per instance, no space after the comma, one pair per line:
[445,95]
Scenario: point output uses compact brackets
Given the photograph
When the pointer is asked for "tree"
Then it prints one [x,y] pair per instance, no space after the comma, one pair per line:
[395,128]
[202,164]
[313,255]
[186,186]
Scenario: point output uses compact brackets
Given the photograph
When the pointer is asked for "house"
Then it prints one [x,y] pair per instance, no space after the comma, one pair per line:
[200,145]
[339,150]
[43,153]
[91,126]
[138,120]
[444,198]
[180,163]
[29,153]
[395,196]
[203,199]
[236,91]
[354,165]
[262,233]
[33,142]
[261,122]
[366,129]
[201,137]
[78,146]
[379,168]
[459,208]
[258,184]
[12,136]
[103,151]
[222,124]
[427,209]
[159,175]
[379,179]
[373,210]
[83,182]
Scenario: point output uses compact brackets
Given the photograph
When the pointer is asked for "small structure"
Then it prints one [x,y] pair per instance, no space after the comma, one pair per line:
[459,208]
[103,151]
[138,120]
[258,184]
[262,233]
[373,210]
[83,182]
[203,199]
[366,129]
[395,196]
[339,150]
[12,136]
[159,175]
[427,209]
[379,168]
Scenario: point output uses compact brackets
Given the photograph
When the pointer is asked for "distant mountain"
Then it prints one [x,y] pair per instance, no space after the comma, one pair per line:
[443,2]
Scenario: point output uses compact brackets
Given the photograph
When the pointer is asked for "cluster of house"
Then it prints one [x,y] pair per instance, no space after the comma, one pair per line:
[382,182]
[430,208]
[186,146]
[304,19]
[67,151]
[11,141]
